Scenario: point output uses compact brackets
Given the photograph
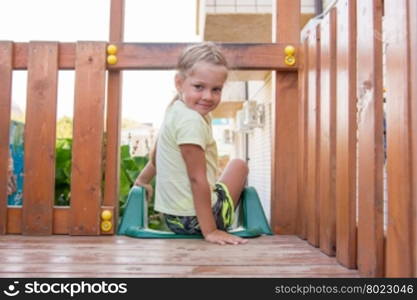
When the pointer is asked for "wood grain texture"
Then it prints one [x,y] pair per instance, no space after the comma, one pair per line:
[370,139]
[147,56]
[327,146]
[285,125]
[302,141]
[114,114]
[66,59]
[117,20]
[61,220]
[399,136]
[413,84]
[86,174]
[313,138]
[39,136]
[6,54]
[346,239]
[14,220]
[116,256]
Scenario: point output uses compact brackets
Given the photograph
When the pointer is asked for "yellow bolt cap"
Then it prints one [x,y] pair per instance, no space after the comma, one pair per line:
[290,60]
[112,59]
[106,226]
[106,215]
[111,49]
[289,50]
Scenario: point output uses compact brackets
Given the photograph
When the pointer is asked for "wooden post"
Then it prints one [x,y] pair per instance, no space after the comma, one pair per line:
[370,139]
[114,115]
[6,53]
[40,139]
[413,84]
[327,147]
[400,256]
[302,140]
[346,134]
[285,125]
[313,137]
[86,173]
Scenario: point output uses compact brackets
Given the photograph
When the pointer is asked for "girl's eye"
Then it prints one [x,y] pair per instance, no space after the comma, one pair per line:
[198,87]
[217,90]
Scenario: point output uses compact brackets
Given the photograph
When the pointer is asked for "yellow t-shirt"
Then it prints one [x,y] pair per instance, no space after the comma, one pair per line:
[182,125]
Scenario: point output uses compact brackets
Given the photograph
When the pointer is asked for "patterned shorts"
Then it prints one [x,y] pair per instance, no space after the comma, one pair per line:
[223,211]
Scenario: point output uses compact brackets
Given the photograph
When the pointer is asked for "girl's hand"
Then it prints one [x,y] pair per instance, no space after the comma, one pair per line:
[223,238]
[148,187]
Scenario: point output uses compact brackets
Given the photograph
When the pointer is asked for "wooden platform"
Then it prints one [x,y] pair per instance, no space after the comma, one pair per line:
[116,256]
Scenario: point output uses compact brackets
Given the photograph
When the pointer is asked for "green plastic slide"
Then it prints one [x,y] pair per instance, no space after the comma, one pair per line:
[251,218]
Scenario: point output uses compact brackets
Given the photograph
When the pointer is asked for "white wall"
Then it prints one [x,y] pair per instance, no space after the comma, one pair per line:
[260,140]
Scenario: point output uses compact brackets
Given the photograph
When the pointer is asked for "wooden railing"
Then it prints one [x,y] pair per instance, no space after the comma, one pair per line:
[42,60]
[341,138]
[340,162]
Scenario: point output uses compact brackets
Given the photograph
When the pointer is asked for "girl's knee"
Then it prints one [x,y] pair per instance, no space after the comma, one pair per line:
[240,164]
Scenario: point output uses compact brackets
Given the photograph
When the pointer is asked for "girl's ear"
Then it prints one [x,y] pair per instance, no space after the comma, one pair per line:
[179,80]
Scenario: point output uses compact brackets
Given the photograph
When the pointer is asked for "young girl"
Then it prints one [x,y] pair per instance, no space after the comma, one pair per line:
[185,163]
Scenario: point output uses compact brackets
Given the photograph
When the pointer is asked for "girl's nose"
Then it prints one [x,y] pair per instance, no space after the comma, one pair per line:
[207,95]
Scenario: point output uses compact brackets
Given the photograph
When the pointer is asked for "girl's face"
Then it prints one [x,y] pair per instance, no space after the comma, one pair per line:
[201,89]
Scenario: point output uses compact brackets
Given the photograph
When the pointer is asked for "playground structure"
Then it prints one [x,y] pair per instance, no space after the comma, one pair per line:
[328,115]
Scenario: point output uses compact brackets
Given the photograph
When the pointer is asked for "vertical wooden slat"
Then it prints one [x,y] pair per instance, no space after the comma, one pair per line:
[114,114]
[370,139]
[346,134]
[14,220]
[302,139]
[285,124]
[40,128]
[413,84]
[327,186]
[86,174]
[312,201]
[399,135]
[6,58]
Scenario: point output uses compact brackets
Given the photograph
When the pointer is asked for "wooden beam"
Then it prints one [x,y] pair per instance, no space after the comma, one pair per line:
[61,215]
[6,54]
[399,250]
[302,138]
[239,56]
[147,56]
[40,135]
[66,57]
[370,140]
[413,84]
[327,147]
[313,138]
[286,18]
[114,114]
[346,240]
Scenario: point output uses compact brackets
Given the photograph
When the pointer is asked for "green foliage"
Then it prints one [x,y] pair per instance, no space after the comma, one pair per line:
[63,171]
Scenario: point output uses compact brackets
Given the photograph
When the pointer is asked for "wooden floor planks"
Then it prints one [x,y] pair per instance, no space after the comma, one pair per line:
[115,256]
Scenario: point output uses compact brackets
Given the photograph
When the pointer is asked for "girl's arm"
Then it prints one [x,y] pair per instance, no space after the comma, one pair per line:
[195,162]
[145,177]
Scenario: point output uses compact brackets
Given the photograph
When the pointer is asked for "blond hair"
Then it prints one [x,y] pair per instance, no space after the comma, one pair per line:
[202,52]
